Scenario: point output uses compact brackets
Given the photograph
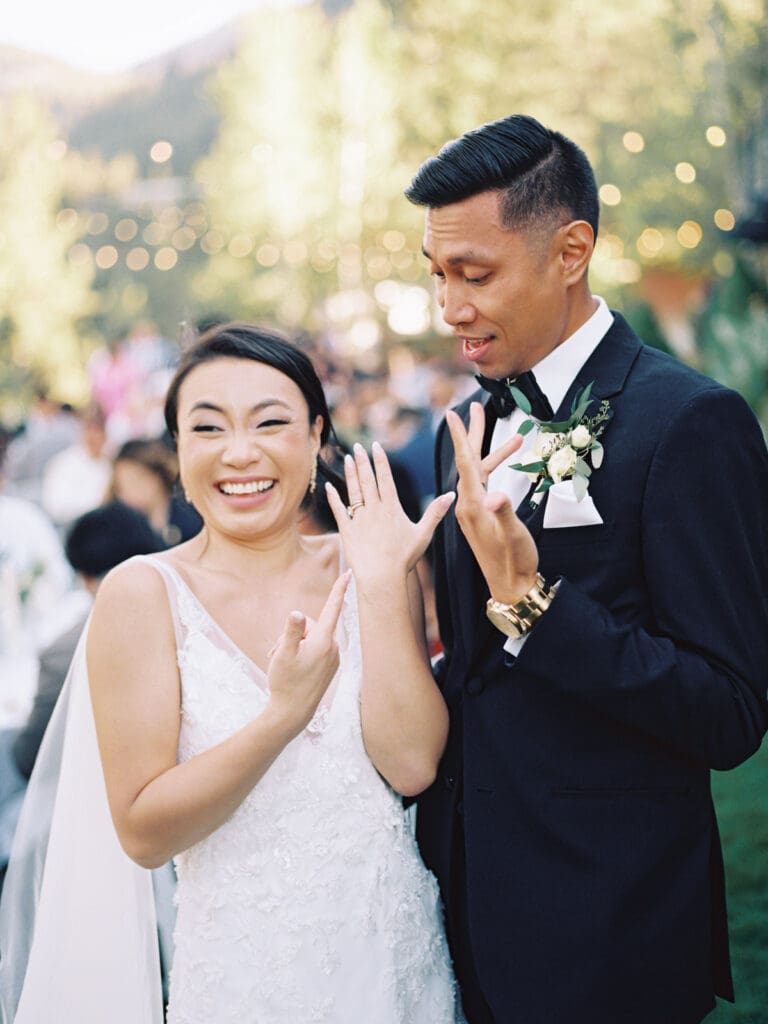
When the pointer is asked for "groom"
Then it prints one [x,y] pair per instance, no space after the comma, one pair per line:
[571,825]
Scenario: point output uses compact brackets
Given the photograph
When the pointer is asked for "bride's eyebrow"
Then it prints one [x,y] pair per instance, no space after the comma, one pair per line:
[264,404]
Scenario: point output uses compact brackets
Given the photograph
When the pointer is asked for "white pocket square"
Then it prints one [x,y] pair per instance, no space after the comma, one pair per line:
[564,509]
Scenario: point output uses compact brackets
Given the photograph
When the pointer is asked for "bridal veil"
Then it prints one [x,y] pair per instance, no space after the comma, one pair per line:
[78,935]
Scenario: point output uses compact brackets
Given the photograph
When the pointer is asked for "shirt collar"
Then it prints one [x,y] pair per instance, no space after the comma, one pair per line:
[556,372]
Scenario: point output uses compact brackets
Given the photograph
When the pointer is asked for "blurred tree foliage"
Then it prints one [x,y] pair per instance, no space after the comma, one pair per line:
[42,294]
[295,213]
[324,121]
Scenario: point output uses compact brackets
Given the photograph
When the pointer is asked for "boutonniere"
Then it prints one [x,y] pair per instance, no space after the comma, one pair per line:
[565,450]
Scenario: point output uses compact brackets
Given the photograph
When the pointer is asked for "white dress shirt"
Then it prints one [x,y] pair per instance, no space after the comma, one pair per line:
[554,374]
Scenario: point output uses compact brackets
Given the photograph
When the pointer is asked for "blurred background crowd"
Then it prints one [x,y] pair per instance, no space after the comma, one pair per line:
[256,174]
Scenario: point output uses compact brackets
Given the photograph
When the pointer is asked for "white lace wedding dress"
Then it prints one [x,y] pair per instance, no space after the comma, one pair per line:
[311,904]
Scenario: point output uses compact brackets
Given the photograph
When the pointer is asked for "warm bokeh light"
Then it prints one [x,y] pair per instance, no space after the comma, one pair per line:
[212,242]
[166,258]
[240,246]
[689,234]
[610,247]
[393,240]
[610,195]
[126,229]
[685,172]
[106,257]
[295,253]
[723,263]
[724,219]
[66,219]
[80,254]
[716,135]
[628,271]
[98,223]
[137,259]
[267,255]
[183,239]
[633,142]
[161,151]
[154,233]
[650,243]
[57,149]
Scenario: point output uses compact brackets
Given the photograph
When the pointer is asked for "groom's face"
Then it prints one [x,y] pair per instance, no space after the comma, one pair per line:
[502,291]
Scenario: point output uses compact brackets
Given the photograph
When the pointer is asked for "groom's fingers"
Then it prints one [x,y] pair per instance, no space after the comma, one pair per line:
[476,427]
[495,458]
[467,463]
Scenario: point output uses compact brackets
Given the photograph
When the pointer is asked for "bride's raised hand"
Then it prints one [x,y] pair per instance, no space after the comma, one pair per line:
[378,537]
[304,661]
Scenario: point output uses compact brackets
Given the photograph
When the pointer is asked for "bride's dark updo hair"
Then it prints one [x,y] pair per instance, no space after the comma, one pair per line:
[262,345]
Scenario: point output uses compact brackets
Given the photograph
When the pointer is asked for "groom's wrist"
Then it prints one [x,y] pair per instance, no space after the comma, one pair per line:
[517,618]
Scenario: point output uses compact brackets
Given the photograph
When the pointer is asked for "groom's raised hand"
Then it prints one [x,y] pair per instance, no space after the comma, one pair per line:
[504,548]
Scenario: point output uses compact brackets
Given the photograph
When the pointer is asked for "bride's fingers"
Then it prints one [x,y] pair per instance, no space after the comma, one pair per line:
[337,507]
[365,474]
[433,513]
[384,478]
[329,616]
[354,490]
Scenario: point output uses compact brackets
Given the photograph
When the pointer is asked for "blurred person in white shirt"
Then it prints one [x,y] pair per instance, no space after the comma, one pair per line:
[77,479]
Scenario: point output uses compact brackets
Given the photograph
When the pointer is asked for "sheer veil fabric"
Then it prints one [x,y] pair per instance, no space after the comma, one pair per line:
[78,935]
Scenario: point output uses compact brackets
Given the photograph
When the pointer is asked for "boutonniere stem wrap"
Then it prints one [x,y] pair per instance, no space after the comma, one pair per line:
[565,450]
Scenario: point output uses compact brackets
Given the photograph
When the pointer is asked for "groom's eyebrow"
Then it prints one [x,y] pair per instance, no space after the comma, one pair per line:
[264,404]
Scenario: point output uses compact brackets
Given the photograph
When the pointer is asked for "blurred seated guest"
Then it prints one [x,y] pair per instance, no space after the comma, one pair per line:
[34,575]
[77,478]
[144,476]
[98,541]
[49,428]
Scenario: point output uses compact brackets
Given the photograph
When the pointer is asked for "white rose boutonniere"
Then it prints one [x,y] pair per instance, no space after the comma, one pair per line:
[567,450]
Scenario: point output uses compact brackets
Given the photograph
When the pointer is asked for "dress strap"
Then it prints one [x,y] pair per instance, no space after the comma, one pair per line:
[177,593]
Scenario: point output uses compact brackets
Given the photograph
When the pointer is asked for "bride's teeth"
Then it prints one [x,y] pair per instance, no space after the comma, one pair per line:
[252,487]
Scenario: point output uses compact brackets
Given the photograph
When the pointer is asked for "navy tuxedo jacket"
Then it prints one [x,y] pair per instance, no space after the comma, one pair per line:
[581,769]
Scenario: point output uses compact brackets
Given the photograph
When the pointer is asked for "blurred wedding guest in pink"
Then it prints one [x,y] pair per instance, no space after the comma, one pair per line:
[77,478]
[144,476]
[113,375]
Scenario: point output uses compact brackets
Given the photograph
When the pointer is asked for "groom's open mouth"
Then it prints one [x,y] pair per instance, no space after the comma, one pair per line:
[473,347]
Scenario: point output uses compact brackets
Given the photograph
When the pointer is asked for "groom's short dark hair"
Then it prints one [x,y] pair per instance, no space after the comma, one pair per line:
[540,173]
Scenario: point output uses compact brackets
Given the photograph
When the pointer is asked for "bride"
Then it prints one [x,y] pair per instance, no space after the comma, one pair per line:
[259,710]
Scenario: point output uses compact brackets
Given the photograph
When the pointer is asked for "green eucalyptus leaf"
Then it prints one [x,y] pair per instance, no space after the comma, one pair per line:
[580,485]
[531,467]
[596,453]
[583,469]
[520,399]
[525,427]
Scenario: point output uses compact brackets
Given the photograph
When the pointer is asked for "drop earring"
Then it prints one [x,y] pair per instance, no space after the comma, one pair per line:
[313,478]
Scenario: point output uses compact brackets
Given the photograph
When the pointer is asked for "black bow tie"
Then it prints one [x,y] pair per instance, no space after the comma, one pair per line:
[503,402]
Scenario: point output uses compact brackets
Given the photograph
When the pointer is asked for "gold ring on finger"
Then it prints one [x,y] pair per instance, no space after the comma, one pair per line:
[351,509]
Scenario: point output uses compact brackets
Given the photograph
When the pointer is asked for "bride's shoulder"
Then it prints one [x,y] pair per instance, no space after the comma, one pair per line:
[137,579]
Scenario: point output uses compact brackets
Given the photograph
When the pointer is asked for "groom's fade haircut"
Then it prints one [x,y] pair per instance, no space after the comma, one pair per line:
[541,175]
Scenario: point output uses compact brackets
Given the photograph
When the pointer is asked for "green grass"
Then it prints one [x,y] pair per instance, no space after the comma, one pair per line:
[742,811]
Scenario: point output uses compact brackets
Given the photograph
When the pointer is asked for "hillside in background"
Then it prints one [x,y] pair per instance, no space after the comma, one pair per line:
[127,112]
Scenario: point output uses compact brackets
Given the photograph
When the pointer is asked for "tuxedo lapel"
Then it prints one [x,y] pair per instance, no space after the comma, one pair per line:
[607,368]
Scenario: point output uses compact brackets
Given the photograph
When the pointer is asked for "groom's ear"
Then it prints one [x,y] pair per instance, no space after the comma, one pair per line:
[577,242]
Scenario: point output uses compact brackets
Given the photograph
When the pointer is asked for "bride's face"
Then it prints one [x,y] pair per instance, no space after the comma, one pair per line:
[246,446]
